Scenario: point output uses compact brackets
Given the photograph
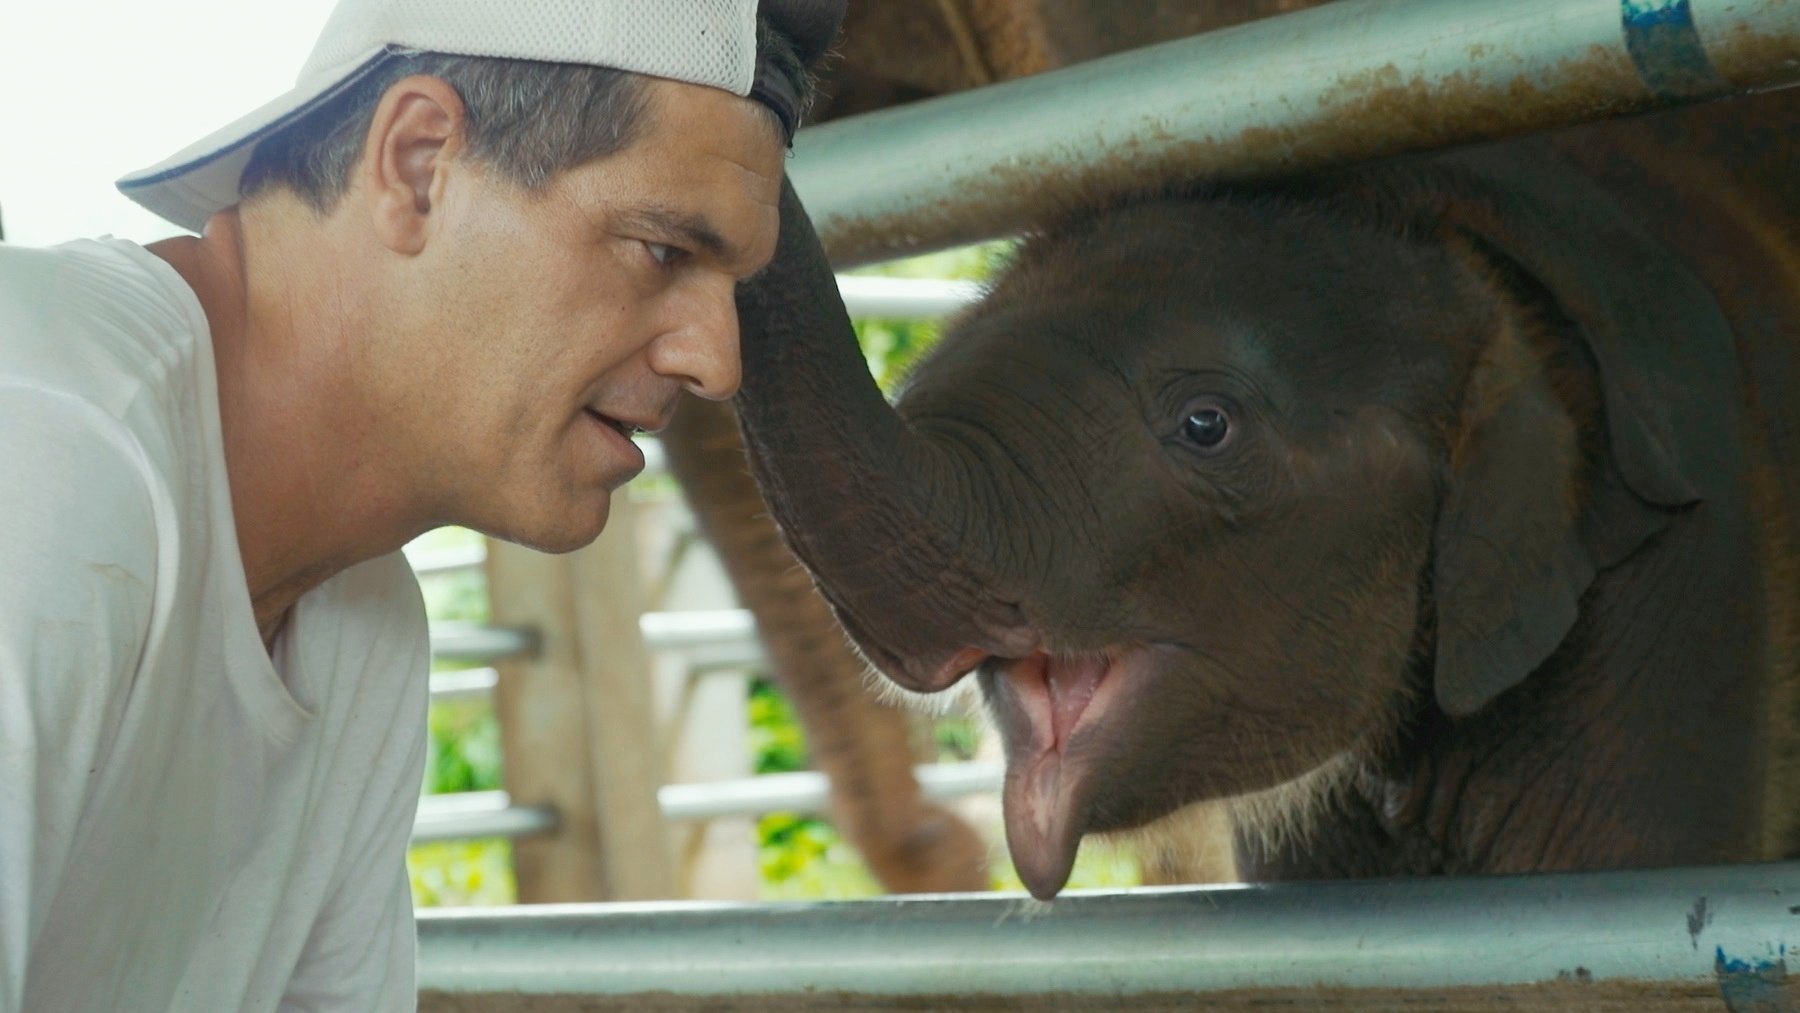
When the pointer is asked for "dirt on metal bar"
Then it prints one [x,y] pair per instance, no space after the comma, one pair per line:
[1570,996]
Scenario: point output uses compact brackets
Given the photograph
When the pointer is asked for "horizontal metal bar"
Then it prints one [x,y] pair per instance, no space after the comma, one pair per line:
[1520,939]
[709,640]
[709,634]
[1344,82]
[675,631]
[429,563]
[905,298]
[492,814]
[476,643]
[807,791]
[748,660]
[472,684]
[474,814]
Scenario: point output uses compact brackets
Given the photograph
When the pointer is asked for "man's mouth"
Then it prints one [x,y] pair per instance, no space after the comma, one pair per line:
[624,450]
[625,429]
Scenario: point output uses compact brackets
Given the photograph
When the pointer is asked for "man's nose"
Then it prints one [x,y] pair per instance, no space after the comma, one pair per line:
[702,351]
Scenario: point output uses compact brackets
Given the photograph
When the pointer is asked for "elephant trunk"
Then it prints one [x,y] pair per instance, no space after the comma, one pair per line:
[860,496]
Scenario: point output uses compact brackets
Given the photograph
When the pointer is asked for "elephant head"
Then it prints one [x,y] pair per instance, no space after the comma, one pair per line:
[1210,489]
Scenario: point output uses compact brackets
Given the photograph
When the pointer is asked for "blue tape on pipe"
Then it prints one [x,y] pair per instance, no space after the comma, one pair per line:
[1754,985]
[1668,53]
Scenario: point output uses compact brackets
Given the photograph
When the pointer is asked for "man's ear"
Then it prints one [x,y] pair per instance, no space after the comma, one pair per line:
[419,126]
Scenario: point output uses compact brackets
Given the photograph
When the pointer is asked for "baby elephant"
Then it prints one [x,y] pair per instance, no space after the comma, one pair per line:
[1442,513]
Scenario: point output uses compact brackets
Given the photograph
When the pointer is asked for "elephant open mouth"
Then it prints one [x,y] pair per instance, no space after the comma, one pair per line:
[1050,708]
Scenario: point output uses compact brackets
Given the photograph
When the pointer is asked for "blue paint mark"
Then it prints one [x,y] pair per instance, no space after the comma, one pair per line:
[1667,51]
[1753,986]
[1736,965]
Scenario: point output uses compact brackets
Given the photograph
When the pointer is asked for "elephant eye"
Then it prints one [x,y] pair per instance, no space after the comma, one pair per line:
[1207,427]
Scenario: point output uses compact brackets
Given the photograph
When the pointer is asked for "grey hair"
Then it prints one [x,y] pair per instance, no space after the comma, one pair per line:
[528,120]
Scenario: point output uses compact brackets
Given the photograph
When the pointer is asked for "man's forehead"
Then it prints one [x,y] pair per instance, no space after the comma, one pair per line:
[706,122]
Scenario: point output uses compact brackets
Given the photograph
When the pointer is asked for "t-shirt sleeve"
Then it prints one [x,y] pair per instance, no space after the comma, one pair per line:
[362,952]
[77,578]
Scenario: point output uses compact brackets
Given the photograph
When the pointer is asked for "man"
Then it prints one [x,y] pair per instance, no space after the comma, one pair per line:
[441,282]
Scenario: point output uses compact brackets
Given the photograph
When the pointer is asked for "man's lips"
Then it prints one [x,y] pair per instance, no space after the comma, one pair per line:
[619,432]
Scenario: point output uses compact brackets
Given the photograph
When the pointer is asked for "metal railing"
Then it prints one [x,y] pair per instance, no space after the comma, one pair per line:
[472,684]
[1339,83]
[807,791]
[711,639]
[492,814]
[435,562]
[1610,940]
[904,298]
[478,644]
[471,814]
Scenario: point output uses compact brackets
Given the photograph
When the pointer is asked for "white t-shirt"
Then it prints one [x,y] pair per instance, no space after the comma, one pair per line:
[185,823]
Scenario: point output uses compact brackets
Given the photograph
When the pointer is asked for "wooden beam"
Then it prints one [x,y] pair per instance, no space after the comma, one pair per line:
[576,725]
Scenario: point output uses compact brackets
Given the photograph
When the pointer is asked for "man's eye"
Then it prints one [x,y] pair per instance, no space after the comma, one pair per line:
[663,253]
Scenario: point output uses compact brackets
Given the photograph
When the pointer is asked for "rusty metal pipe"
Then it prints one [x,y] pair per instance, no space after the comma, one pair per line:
[1587,940]
[1336,84]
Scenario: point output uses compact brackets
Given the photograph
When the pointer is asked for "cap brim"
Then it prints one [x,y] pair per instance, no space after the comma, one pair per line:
[191,185]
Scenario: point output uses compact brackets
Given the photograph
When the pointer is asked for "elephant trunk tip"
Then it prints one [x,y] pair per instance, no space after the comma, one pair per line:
[947,673]
[936,671]
[928,646]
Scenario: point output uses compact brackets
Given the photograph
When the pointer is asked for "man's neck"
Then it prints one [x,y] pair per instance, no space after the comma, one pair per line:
[306,501]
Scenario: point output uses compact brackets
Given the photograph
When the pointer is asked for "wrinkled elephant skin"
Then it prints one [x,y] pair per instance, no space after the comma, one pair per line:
[1440,512]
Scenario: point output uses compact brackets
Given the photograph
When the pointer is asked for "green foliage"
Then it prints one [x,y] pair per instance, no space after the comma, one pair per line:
[892,346]
[463,752]
[776,743]
[805,859]
[956,738]
[801,857]
[459,873]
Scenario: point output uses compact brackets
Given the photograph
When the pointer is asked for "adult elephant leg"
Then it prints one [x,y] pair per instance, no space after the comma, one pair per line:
[862,745]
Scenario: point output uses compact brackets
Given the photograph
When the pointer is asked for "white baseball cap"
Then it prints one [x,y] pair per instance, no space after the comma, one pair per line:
[706,42]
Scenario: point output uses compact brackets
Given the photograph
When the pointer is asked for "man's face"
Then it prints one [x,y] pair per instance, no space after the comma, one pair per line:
[561,319]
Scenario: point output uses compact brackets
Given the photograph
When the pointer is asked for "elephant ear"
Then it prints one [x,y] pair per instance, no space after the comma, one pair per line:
[1509,564]
[1533,510]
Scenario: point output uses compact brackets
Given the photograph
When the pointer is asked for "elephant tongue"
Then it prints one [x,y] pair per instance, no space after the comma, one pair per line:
[1038,799]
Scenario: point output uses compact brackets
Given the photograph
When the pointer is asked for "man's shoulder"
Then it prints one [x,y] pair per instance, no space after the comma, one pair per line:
[385,583]
[372,615]
[108,324]
[101,320]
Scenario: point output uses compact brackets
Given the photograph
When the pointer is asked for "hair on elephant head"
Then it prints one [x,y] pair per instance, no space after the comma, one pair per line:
[1217,488]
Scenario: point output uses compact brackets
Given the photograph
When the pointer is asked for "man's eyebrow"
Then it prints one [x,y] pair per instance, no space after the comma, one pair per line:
[691,229]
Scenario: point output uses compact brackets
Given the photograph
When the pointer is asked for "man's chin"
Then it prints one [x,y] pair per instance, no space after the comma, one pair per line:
[561,532]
